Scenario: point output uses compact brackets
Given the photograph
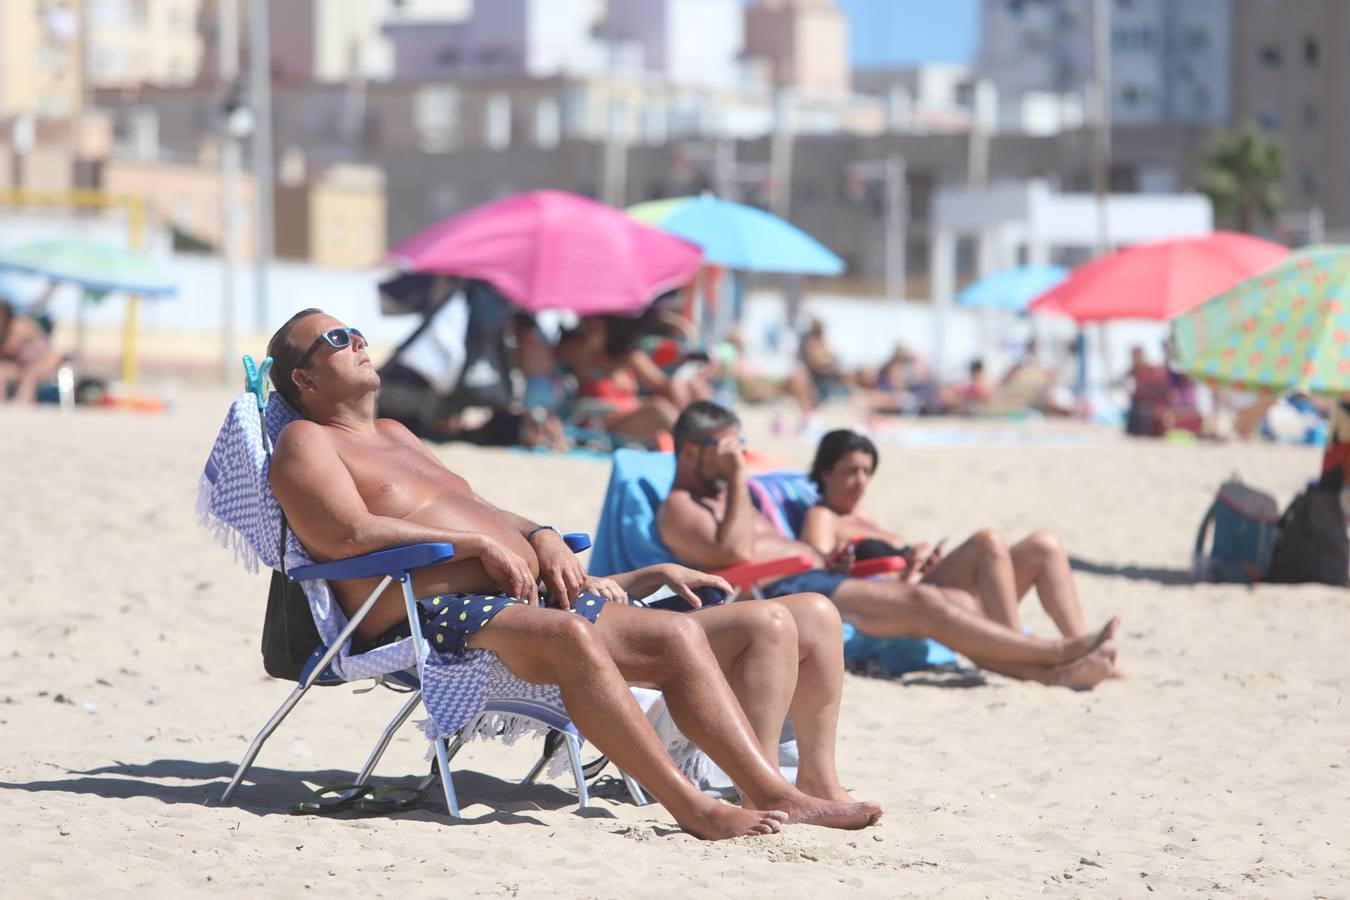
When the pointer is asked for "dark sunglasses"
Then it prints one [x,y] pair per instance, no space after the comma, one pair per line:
[337,338]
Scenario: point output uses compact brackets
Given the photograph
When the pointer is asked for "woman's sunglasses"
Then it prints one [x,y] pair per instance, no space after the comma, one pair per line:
[337,338]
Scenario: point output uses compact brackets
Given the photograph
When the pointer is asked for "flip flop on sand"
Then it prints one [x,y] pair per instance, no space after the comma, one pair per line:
[332,798]
[392,798]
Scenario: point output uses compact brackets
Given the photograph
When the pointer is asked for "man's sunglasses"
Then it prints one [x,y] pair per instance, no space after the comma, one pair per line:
[337,338]
[713,442]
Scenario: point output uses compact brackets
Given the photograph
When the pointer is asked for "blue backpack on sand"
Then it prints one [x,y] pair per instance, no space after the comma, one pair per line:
[1246,524]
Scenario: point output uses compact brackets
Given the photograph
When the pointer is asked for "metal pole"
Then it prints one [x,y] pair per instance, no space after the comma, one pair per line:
[780,155]
[260,98]
[897,214]
[228,70]
[1101,80]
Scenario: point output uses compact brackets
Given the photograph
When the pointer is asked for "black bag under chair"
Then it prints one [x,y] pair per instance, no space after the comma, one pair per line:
[1312,545]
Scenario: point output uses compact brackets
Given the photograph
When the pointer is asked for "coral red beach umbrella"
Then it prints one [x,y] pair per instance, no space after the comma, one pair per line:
[554,250]
[1159,280]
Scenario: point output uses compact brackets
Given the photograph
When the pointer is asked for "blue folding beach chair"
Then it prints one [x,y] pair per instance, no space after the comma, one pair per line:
[237,503]
[626,539]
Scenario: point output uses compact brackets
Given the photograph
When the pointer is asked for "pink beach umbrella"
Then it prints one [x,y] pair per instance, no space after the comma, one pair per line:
[554,250]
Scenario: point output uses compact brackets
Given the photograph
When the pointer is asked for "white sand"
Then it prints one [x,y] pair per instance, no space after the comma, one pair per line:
[1221,767]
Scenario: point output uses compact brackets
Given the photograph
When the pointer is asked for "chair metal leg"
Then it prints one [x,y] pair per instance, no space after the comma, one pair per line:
[447,785]
[635,790]
[574,757]
[383,744]
[263,735]
[552,741]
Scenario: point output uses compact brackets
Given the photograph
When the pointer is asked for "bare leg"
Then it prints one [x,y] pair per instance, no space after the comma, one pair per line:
[895,609]
[671,651]
[755,643]
[549,646]
[820,684]
[815,660]
[983,567]
[1082,674]
[1039,560]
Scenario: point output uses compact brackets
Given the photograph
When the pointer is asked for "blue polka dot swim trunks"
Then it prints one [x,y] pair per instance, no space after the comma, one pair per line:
[449,620]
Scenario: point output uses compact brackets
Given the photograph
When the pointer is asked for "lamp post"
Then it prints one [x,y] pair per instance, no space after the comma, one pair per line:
[235,124]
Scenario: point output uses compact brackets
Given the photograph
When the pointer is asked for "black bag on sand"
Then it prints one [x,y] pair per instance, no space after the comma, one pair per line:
[289,636]
[1312,545]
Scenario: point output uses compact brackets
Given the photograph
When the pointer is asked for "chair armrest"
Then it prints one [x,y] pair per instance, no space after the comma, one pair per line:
[750,574]
[394,561]
[577,541]
[881,565]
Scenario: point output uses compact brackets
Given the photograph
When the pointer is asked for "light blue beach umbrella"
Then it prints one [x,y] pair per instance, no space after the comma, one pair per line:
[739,236]
[1012,289]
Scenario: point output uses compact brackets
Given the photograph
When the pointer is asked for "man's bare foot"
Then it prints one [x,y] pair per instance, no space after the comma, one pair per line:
[1088,671]
[804,810]
[824,791]
[718,821]
[1081,646]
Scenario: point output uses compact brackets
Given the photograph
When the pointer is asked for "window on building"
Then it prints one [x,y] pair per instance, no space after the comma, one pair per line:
[1311,51]
[1310,115]
[497,122]
[547,123]
[1267,118]
[1269,54]
[1197,40]
[1129,95]
[1307,180]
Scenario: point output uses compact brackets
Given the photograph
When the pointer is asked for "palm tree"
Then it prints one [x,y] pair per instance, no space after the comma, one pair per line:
[1242,173]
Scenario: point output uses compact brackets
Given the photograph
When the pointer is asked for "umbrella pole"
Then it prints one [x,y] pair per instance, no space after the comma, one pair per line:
[129,342]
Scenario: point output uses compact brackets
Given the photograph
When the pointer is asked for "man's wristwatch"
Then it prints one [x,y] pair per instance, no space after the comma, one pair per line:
[538,528]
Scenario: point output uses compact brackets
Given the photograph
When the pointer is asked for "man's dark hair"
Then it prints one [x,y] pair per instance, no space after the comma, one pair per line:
[284,357]
[834,447]
[700,421]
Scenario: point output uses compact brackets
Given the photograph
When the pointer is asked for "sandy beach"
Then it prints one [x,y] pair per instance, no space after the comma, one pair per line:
[130,684]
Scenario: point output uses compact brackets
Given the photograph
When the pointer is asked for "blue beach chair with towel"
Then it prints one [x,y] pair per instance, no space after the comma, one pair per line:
[626,539]
[472,696]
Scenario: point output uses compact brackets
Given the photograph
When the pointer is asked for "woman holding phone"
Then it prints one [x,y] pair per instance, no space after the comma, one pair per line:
[984,566]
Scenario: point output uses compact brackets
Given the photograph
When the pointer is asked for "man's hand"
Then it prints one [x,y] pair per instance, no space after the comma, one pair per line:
[684,582]
[730,457]
[559,568]
[510,572]
[604,587]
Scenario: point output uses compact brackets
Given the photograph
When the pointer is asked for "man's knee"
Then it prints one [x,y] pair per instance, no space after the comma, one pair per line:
[769,620]
[681,634]
[814,614]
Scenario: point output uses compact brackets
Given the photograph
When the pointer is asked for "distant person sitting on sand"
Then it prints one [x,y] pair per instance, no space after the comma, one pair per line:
[710,522]
[26,356]
[610,371]
[350,483]
[984,566]
[818,376]
[1031,385]
[974,395]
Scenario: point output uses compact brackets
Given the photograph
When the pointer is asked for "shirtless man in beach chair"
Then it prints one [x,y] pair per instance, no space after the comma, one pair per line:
[709,521]
[350,484]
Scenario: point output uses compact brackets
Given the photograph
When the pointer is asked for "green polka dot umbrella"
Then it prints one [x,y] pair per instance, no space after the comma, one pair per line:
[1286,329]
